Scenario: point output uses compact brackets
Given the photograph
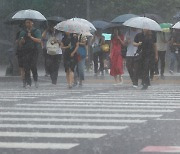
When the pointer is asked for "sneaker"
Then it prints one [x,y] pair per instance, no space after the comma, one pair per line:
[36,84]
[171,72]
[144,88]
[135,86]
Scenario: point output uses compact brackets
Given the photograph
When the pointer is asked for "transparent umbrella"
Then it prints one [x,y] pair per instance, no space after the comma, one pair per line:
[73,26]
[143,23]
[86,22]
[28,14]
[177,25]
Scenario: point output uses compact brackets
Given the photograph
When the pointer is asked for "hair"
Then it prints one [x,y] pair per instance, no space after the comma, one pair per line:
[113,35]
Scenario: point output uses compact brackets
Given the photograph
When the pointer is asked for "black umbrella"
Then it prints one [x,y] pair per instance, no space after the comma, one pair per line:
[55,19]
[177,15]
[122,18]
[100,24]
[154,17]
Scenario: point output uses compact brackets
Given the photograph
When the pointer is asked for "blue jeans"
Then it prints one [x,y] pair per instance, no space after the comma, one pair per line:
[81,67]
[175,57]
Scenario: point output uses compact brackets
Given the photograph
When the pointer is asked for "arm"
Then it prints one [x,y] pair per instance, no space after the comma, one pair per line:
[156,51]
[75,50]
[137,44]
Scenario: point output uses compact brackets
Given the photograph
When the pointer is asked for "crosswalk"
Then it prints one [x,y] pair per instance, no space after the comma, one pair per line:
[56,118]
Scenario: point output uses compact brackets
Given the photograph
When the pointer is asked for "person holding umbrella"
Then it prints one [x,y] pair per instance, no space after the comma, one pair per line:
[52,50]
[28,40]
[146,43]
[116,70]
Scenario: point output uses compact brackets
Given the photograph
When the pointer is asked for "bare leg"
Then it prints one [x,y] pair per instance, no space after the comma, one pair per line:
[67,77]
[115,78]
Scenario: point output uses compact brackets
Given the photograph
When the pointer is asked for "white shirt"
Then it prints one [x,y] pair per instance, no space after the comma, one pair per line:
[131,49]
[162,39]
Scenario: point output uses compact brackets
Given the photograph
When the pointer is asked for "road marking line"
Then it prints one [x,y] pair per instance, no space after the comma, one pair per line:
[104,106]
[81,110]
[79,127]
[59,146]
[51,135]
[79,120]
[164,149]
[80,115]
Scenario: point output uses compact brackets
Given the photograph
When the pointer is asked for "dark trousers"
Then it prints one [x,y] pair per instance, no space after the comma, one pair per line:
[137,71]
[45,60]
[130,66]
[161,58]
[145,71]
[53,62]
[152,65]
[30,65]
[98,56]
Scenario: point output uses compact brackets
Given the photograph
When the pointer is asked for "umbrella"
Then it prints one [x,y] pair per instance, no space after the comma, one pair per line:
[177,15]
[28,14]
[123,18]
[73,26]
[177,25]
[154,17]
[100,24]
[55,19]
[143,23]
[166,27]
[87,23]
[9,21]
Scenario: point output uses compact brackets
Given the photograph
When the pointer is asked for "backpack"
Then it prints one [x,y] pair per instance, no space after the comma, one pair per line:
[51,46]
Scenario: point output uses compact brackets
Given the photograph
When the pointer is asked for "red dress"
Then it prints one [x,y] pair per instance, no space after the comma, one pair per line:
[116,57]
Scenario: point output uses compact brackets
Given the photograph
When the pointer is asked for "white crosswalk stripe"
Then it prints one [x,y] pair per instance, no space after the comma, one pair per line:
[65,115]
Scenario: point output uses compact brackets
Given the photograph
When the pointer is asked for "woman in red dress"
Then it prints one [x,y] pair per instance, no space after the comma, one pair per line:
[117,41]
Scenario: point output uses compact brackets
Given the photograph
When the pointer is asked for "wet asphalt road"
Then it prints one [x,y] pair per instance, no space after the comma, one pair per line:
[98,118]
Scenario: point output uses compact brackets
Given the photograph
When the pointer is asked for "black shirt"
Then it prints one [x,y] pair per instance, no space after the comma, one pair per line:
[147,46]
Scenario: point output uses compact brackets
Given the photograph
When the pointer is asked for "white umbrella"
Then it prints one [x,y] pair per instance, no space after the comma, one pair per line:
[86,22]
[73,26]
[28,14]
[177,25]
[143,23]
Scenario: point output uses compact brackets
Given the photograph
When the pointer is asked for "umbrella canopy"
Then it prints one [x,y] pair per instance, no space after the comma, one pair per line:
[100,24]
[177,25]
[154,17]
[55,19]
[86,22]
[143,23]
[177,15]
[166,27]
[73,26]
[123,18]
[28,14]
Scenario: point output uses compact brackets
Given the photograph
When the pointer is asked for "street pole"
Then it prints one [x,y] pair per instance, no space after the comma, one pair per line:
[88,9]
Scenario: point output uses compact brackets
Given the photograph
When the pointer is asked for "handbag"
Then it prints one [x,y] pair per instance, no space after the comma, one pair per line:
[138,55]
[51,46]
[96,48]
[82,51]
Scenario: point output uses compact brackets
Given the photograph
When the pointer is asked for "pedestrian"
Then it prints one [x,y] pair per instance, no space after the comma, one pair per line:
[131,50]
[70,46]
[82,54]
[146,43]
[53,51]
[29,39]
[98,55]
[117,41]
[175,51]
[19,54]
[162,44]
